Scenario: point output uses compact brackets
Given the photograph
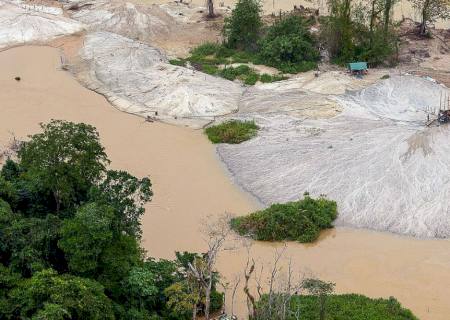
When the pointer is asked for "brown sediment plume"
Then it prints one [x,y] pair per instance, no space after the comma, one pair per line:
[190,184]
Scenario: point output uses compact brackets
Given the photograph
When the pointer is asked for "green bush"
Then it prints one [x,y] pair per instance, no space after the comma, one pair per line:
[228,73]
[289,46]
[297,67]
[299,221]
[206,49]
[251,78]
[233,131]
[231,73]
[209,69]
[350,306]
[242,29]
[244,57]
[177,62]
[265,78]
[360,33]
[278,78]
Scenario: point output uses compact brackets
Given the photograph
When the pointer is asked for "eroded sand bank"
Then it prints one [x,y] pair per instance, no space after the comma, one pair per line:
[190,184]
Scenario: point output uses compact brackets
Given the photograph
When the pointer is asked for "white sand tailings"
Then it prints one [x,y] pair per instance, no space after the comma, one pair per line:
[21,23]
[386,171]
[136,78]
[136,22]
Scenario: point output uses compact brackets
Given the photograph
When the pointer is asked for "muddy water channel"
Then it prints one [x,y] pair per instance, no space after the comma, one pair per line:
[190,184]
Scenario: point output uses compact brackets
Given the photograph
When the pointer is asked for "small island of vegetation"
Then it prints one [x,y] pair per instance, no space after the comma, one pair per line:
[232,131]
[299,221]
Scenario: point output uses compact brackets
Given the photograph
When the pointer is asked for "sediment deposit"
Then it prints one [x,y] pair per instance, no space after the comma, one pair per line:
[385,168]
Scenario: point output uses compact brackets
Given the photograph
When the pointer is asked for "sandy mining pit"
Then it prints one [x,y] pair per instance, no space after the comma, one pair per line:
[362,142]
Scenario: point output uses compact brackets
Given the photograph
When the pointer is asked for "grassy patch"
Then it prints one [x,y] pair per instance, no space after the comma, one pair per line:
[233,131]
[209,56]
[206,49]
[251,78]
[209,69]
[350,306]
[177,62]
[266,78]
[299,221]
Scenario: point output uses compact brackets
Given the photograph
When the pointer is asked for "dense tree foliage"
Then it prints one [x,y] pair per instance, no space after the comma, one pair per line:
[243,28]
[299,221]
[70,232]
[343,307]
[289,45]
[430,11]
[65,159]
[360,31]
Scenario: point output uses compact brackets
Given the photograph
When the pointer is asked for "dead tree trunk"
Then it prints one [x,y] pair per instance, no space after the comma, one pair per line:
[210,6]
[423,25]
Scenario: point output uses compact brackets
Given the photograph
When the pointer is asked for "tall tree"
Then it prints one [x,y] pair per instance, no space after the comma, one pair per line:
[242,29]
[430,11]
[48,295]
[127,195]
[65,158]
[84,237]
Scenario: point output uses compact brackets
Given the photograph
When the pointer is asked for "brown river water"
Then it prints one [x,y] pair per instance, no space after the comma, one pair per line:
[190,183]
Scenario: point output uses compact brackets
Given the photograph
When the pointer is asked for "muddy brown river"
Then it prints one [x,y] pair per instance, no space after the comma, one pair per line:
[190,184]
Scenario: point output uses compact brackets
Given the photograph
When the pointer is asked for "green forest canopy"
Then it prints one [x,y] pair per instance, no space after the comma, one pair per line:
[69,237]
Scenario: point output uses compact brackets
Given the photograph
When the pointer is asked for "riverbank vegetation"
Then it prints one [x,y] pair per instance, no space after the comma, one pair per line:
[70,238]
[314,299]
[232,131]
[340,307]
[300,220]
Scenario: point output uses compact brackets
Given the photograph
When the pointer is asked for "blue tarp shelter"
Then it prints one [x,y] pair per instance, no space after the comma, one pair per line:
[357,66]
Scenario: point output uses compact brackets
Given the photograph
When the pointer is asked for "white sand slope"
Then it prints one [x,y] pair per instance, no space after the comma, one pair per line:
[22,24]
[376,159]
[136,78]
[133,21]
